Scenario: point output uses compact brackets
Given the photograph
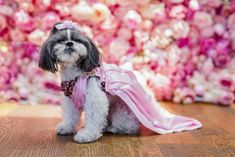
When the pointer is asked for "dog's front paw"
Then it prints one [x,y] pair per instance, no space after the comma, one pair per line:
[64,129]
[85,136]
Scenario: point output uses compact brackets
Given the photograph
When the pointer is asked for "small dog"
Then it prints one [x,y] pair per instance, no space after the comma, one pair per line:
[75,57]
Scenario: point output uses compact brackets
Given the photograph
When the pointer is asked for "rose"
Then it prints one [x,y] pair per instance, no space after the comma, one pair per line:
[81,11]
[49,19]
[231,21]
[211,3]
[132,19]
[194,5]
[180,28]
[3,23]
[207,44]
[202,20]
[143,2]
[118,48]
[176,1]
[226,98]
[178,12]
[37,37]
[100,13]
[24,21]
[219,28]
[153,11]
[124,33]
[207,32]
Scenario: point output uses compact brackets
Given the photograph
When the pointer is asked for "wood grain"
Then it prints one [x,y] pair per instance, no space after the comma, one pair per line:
[28,131]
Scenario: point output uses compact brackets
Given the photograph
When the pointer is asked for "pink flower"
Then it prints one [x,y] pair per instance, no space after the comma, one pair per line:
[176,1]
[194,5]
[118,45]
[3,23]
[24,21]
[37,37]
[49,19]
[81,11]
[227,83]
[211,3]
[207,44]
[219,28]
[221,60]
[222,46]
[100,13]
[207,32]
[132,19]
[178,12]
[180,28]
[202,20]
[125,33]
[231,21]
[226,98]
[153,11]
[143,2]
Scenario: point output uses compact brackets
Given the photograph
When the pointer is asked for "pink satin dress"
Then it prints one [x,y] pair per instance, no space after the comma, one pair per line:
[124,84]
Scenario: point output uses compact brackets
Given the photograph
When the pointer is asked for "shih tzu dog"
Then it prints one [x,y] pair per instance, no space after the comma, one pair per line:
[112,99]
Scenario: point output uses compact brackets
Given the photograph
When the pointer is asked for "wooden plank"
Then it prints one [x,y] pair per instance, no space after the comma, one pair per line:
[30,137]
[101,148]
[28,131]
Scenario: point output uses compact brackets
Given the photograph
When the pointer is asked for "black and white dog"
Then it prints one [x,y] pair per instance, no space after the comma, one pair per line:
[72,54]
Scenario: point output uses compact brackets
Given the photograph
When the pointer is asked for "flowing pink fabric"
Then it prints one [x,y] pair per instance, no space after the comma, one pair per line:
[124,84]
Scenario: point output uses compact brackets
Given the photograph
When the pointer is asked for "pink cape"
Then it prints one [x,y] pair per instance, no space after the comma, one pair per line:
[124,84]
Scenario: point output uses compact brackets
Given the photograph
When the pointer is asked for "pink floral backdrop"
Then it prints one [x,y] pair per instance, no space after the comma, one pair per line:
[184,48]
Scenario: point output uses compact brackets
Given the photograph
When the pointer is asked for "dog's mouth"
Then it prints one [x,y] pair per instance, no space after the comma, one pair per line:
[69,50]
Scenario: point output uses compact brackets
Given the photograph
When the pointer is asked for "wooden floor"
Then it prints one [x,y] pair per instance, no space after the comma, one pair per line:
[28,131]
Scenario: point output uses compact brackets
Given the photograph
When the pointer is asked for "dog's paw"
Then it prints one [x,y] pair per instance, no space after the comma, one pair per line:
[85,136]
[64,129]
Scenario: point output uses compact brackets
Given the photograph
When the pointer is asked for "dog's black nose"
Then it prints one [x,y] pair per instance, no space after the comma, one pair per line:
[69,43]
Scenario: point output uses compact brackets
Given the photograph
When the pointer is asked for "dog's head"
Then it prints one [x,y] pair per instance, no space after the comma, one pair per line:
[66,45]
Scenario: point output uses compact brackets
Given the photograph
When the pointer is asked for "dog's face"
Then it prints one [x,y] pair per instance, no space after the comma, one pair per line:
[68,46]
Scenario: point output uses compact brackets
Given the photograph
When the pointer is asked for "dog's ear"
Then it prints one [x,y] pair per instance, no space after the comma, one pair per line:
[92,59]
[47,60]
[54,29]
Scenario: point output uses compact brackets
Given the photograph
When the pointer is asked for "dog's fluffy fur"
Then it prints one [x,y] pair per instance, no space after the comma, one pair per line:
[71,54]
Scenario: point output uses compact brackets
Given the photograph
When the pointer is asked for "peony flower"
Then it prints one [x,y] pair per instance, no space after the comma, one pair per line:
[207,32]
[125,33]
[49,19]
[81,11]
[180,28]
[178,12]
[37,37]
[24,21]
[194,5]
[132,19]
[3,23]
[153,11]
[202,20]
[176,1]
[231,21]
[207,44]
[143,2]
[118,48]
[219,29]
[226,98]
[17,35]
[100,13]
[211,3]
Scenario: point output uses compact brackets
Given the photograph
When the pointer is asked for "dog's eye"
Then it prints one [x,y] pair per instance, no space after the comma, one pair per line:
[60,41]
[77,40]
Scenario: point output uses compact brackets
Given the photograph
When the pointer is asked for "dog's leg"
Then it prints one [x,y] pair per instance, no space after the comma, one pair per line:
[96,111]
[123,120]
[70,117]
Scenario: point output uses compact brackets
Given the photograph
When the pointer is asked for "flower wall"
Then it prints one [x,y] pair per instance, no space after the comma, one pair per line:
[184,48]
